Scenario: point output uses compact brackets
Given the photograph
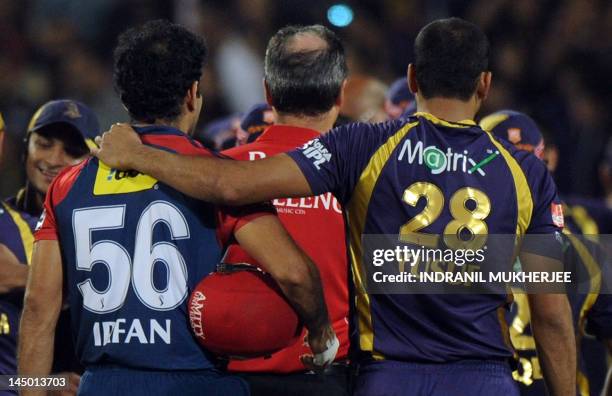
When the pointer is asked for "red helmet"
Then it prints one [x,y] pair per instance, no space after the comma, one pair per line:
[242,314]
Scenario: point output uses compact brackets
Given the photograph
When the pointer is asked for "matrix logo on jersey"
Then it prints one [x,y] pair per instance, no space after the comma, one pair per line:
[315,151]
[439,161]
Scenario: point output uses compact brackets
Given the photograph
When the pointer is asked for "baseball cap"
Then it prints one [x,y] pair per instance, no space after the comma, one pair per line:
[70,112]
[399,101]
[398,92]
[517,128]
[256,120]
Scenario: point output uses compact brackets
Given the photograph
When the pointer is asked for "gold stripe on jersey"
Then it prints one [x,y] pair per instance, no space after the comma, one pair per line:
[594,275]
[493,120]
[357,210]
[437,121]
[27,237]
[524,200]
[588,226]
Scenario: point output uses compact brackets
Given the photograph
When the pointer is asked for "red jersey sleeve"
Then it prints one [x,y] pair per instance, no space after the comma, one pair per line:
[231,219]
[46,228]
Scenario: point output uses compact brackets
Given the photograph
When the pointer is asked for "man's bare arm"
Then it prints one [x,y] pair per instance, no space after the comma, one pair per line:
[43,300]
[13,274]
[266,241]
[555,341]
[553,329]
[210,179]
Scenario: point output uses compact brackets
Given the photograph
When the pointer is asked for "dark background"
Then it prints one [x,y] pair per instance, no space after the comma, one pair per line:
[551,59]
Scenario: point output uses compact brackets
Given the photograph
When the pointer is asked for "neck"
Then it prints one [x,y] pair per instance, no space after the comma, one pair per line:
[180,123]
[320,123]
[30,200]
[453,110]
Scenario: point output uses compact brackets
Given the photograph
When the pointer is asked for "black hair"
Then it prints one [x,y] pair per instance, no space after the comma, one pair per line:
[306,82]
[69,135]
[155,65]
[450,55]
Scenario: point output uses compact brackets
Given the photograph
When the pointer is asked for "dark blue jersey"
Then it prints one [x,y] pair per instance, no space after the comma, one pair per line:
[132,250]
[592,318]
[415,177]
[16,234]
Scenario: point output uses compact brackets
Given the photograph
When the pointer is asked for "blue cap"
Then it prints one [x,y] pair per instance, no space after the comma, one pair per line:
[258,118]
[67,111]
[398,92]
[517,128]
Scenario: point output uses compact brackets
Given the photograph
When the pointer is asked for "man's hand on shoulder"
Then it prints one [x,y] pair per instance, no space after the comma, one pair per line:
[118,147]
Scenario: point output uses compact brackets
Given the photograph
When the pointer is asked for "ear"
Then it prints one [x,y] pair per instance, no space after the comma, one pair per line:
[484,85]
[267,92]
[340,99]
[192,94]
[412,82]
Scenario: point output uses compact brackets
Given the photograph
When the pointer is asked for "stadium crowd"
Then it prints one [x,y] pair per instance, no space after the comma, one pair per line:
[61,64]
[548,58]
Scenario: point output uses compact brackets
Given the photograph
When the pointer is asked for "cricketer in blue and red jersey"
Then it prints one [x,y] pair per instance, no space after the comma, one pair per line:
[592,311]
[127,250]
[423,344]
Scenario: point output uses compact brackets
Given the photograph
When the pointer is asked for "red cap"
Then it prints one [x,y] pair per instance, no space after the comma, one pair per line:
[242,314]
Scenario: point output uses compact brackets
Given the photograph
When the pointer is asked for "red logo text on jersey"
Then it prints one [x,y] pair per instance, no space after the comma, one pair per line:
[557,214]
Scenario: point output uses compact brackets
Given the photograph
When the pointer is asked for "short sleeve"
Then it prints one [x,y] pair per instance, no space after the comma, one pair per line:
[46,228]
[547,215]
[335,161]
[231,219]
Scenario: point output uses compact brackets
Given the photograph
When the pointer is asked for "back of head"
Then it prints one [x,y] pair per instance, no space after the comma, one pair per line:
[155,65]
[364,99]
[450,55]
[304,69]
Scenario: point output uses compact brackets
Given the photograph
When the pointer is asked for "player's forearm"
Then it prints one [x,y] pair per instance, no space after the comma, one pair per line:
[303,289]
[12,277]
[553,330]
[36,337]
[210,179]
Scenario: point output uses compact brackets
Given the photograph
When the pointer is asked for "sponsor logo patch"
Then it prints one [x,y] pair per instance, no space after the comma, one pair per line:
[317,152]
[557,214]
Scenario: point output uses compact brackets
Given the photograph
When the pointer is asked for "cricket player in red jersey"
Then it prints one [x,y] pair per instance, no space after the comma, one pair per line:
[313,58]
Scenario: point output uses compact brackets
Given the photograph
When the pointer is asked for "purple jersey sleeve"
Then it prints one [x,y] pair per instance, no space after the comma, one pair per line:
[547,215]
[335,161]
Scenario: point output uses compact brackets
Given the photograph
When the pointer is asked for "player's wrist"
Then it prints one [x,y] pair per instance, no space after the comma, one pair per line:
[137,161]
[322,332]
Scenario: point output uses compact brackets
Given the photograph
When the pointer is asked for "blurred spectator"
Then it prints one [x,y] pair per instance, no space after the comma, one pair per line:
[220,134]
[364,99]
[399,101]
[253,123]
[549,59]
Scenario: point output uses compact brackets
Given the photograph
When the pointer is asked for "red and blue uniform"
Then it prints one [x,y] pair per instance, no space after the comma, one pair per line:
[317,226]
[132,251]
[413,343]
